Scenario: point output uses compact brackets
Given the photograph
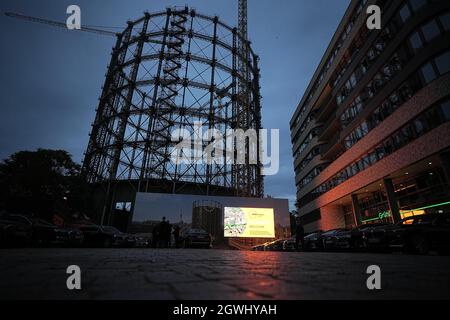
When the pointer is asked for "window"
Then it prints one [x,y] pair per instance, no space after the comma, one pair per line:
[123,206]
[417,4]
[428,72]
[430,30]
[428,120]
[446,109]
[445,20]
[419,126]
[415,41]
[405,13]
[443,63]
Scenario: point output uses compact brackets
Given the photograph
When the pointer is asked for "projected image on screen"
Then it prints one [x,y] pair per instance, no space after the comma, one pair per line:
[249,222]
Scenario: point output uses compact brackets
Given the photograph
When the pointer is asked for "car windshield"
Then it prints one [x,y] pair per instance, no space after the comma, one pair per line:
[18,219]
[330,232]
[111,229]
[90,228]
[312,235]
[197,231]
[42,222]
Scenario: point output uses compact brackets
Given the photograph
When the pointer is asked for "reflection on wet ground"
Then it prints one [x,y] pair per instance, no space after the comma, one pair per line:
[218,274]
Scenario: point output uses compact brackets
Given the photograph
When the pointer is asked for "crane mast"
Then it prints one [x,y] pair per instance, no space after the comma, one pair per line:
[243,174]
[57,24]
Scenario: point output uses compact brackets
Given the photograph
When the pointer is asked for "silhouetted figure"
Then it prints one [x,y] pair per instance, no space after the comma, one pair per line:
[155,238]
[168,235]
[164,233]
[299,234]
[176,236]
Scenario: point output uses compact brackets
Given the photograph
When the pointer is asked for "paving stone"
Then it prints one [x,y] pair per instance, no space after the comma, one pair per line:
[218,274]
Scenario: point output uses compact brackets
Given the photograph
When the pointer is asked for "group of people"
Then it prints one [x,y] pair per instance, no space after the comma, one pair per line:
[162,235]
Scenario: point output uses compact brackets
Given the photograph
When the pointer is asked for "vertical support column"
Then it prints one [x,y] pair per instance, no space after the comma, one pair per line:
[392,200]
[356,210]
[212,90]
[150,139]
[234,111]
[256,109]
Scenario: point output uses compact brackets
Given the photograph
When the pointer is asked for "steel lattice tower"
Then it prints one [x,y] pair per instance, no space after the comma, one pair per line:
[169,70]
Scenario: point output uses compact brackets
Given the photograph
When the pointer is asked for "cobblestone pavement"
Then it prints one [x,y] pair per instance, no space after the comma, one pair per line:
[218,274]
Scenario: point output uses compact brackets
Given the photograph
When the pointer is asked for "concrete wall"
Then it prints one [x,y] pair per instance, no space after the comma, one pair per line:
[332,217]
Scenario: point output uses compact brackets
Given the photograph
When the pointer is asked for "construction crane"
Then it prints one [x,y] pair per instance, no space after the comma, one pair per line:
[243,174]
[58,24]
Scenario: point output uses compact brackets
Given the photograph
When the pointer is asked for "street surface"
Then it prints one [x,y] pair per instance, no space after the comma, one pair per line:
[218,274]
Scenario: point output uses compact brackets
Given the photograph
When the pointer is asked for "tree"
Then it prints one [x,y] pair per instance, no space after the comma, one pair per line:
[39,181]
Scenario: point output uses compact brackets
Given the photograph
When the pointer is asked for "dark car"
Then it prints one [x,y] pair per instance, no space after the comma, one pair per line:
[196,238]
[45,233]
[289,244]
[106,236]
[329,239]
[353,239]
[14,233]
[418,234]
[313,241]
[258,248]
[120,239]
[143,240]
[276,245]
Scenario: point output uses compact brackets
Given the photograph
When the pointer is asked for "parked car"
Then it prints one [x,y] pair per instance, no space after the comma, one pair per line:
[353,239]
[313,241]
[258,248]
[14,233]
[329,239]
[289,244]
[46,233]
[418,234]
[196,238]
[106,236]
[142,240]
[120,239]
[276,245]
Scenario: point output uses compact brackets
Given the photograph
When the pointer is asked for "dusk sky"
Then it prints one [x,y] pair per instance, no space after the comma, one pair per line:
[51,78]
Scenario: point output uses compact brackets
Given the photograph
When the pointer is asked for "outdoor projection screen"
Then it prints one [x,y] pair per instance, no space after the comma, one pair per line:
[243,222]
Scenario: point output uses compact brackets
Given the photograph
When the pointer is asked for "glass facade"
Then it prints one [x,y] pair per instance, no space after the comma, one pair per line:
[368,84]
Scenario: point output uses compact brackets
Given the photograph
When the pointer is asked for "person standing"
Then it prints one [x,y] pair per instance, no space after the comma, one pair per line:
[176,236]
[168,235]
[299,234]
[155,236]
[162,243]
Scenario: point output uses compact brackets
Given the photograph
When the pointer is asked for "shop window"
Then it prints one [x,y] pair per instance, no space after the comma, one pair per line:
[443,63]
[415,41]
[445,20]
[428,73]
[430,30]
